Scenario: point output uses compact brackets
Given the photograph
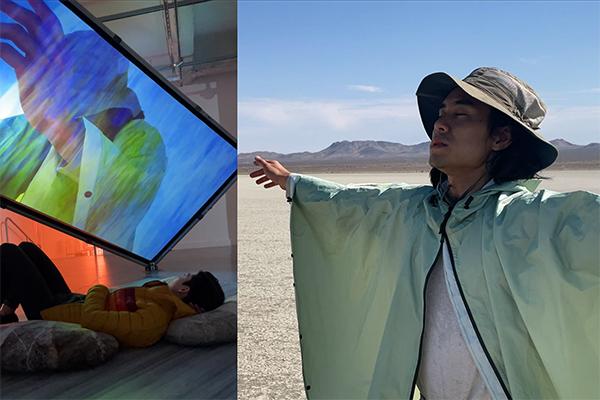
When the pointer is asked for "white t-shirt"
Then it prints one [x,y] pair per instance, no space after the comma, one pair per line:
[447,369]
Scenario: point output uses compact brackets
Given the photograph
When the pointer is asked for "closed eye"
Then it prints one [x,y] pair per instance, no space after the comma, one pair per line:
[454,114]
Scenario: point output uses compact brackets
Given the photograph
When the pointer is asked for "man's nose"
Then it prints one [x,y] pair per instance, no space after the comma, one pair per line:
[440,125]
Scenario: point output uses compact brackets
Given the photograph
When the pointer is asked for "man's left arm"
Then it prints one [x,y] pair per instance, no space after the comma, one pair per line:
[574,295]
[575,231]
[552,265]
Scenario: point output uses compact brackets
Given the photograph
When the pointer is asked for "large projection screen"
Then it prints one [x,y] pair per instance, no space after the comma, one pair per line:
[96,144]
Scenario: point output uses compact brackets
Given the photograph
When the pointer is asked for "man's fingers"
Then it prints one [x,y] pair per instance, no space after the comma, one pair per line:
[19,36]
[270,165]
[262,180]
[52,29]
[257,173]
[261,161]
[21,15]
[270,185]
[12,58]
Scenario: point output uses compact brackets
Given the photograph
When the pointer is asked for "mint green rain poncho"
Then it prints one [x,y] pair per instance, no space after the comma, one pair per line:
[527,264]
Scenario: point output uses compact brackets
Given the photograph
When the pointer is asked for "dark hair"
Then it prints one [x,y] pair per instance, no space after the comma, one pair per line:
[205,291]
[514,162]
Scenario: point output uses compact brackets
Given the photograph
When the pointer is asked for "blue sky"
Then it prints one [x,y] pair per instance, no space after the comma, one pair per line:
[311,73]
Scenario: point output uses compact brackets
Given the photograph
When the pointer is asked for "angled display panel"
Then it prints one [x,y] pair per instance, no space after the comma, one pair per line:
[95,143]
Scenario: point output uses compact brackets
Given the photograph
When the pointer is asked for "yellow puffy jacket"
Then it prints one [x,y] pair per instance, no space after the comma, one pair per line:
[136,316]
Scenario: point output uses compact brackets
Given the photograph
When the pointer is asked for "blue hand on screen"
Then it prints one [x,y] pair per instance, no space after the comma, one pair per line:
[39,35]
[62,78]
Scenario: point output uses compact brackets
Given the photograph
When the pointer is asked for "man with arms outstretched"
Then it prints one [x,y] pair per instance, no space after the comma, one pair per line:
[477,286]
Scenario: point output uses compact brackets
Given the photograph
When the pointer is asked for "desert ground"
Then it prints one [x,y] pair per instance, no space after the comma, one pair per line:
[269,364]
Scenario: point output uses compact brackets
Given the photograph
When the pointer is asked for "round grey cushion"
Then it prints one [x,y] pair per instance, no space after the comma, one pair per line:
[213,327]
[49,345]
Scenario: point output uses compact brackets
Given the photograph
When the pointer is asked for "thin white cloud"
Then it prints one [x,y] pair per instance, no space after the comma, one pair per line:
[588,91]
[365,88]
[298,125]
[286,126]
[566,94]
[576,124]
[332,114]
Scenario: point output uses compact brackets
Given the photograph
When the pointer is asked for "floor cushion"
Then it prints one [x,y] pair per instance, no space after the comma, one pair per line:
[49,345]
[213,327]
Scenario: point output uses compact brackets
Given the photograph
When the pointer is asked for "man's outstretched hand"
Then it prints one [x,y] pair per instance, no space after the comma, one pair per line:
[271,171]
[63,78]
[39,35]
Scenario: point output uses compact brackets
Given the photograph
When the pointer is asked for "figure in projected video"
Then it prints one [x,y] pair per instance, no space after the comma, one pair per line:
[81,151]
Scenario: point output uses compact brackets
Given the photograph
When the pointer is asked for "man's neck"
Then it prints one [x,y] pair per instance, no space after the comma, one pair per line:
[460,185]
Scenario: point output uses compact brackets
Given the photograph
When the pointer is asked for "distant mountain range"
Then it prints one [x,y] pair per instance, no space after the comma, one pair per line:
[379,152]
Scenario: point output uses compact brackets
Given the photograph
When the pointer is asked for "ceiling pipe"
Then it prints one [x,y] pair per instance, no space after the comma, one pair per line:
[170,45]
[179,63]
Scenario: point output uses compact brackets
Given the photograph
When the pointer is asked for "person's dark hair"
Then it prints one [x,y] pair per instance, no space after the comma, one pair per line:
[514,162]
[205,291]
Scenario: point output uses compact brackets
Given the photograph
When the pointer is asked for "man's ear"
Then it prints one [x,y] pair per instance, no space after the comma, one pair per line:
[501,138]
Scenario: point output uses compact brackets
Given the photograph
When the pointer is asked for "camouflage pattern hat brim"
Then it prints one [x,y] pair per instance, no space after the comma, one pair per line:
[498,89]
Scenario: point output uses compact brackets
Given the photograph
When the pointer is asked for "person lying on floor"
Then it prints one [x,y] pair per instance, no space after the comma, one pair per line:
[135,316]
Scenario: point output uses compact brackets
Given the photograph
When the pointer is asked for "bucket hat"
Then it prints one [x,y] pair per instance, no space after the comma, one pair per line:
[498,89]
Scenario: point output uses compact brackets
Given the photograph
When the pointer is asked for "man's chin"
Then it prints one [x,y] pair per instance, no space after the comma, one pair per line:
[435,162]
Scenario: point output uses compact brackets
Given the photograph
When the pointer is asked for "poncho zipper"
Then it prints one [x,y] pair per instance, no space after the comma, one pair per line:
[464,300]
